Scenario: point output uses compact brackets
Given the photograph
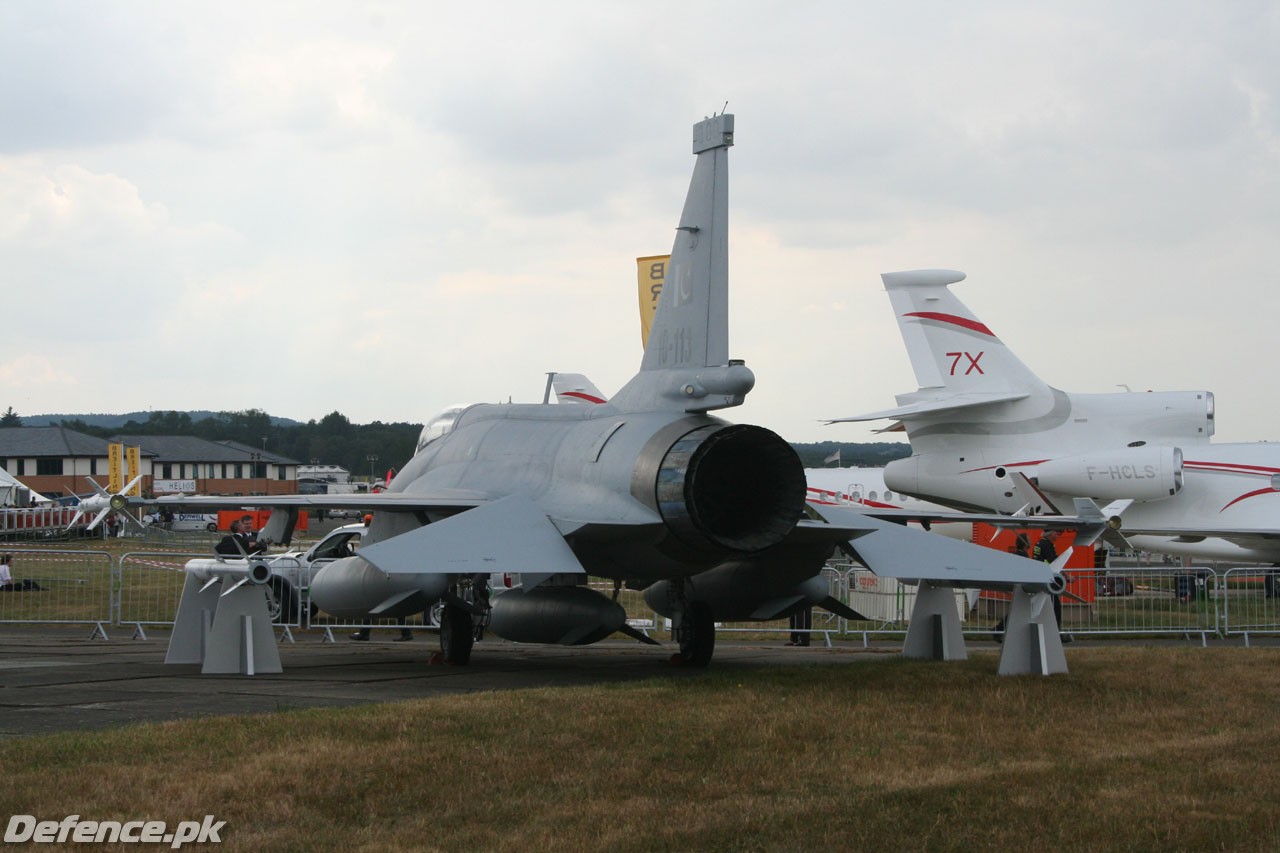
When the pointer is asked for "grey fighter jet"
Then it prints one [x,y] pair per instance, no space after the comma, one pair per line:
[647,489]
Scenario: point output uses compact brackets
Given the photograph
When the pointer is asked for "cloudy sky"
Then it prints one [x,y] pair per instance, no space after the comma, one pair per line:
[386,208]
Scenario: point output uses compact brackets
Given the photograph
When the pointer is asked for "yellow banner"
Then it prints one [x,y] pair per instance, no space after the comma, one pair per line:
[134,455]
[115,461]
[652,274]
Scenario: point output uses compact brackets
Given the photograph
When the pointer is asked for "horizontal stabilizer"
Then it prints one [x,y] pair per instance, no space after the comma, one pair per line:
[934,407]
[508,535]
[890,550]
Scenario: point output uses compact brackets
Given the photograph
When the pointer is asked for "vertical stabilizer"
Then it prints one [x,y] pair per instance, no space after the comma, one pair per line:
[686,364]
[951,350]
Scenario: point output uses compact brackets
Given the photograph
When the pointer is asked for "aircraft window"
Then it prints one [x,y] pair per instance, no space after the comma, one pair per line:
[855,495]
[888,496]
[871,495]
[439,425]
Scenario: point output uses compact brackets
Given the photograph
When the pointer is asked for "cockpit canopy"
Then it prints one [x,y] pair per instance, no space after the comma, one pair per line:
[440,425]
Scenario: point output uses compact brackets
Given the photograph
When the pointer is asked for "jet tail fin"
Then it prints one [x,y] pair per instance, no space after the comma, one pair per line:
[958,361]
[576,388]
[686,364]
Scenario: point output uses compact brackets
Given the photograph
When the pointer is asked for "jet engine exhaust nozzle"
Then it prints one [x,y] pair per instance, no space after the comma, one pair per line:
[737,487]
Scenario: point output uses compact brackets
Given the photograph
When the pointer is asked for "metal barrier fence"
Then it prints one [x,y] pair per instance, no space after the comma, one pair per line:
[1147,600]
[1250,601]
[58,586]
[143,588]
[36,522]
[1117,602]
[149,587]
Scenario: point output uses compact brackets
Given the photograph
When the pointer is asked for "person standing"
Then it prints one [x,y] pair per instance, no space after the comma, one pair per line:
[801,623]
[248,539]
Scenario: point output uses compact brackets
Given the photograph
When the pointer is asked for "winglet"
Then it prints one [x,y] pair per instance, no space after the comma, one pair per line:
[686,365]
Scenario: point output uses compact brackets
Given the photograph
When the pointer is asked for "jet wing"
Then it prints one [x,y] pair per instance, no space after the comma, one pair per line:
[891,550]
[508,535]
[930,407]
[1087,528]
[1254,539]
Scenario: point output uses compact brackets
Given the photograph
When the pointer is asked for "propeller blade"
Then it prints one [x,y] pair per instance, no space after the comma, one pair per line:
[97,519]
[129,488]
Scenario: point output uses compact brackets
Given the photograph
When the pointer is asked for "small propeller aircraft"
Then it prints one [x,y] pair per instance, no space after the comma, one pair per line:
[103,503]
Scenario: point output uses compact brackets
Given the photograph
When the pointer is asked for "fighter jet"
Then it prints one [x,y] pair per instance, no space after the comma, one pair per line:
[988,434]
[647,489]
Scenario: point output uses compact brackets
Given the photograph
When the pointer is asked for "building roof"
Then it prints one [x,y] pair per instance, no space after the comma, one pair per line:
[264,456]
[23,442]
[50,441]
[189,448]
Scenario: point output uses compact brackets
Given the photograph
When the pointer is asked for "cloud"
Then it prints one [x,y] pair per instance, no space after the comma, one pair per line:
[385,208]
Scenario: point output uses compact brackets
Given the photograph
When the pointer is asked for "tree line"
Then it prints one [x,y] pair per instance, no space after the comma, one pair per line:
[335,440]
[332,440]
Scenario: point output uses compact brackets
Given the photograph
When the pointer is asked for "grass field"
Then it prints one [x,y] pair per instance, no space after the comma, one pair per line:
[1138,748]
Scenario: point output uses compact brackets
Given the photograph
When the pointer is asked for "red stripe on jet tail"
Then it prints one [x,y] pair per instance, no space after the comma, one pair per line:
[962,322]
[1246,495]
[1230,467]
[582,396]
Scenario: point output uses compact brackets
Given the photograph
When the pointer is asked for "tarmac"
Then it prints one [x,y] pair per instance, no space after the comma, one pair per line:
[57,679]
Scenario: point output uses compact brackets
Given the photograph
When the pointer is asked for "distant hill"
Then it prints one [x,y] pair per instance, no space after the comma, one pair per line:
[872,454]
[116,421]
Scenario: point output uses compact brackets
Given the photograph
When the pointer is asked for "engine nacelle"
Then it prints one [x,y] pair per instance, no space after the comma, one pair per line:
[1137,473]
[555,615]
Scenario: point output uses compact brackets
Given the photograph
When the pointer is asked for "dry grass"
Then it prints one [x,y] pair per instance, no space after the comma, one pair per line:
[1137,749]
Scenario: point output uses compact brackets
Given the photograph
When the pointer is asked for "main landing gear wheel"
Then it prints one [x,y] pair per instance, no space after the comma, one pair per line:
[456,635]
[697,635]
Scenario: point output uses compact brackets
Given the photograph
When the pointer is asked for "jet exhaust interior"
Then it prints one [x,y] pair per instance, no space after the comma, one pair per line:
[736,487]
